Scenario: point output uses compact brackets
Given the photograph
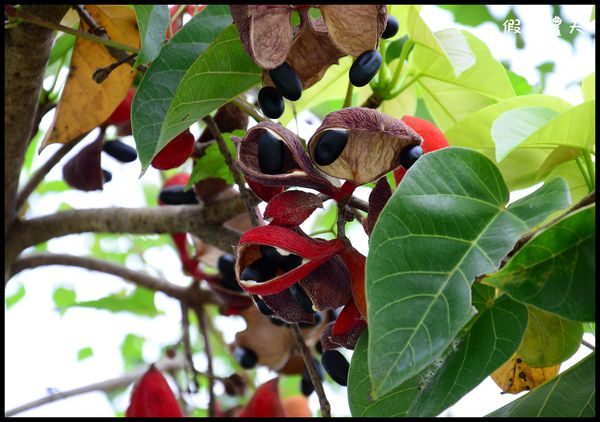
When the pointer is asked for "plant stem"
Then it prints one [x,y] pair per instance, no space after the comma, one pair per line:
[403,87]
[187,346]
[382,50]
[587,157]
[588,345]
[349,92]
[403,55]
[584,173]
[248,108]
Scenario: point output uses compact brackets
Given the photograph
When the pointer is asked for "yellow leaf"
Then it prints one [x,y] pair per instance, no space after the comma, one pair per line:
[85,104]
[516,376]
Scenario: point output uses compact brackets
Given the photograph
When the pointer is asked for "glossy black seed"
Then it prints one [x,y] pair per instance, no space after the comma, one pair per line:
[410,155]
[391,27]
[306,385]
[229,282]
[301,298]
[107,175]
[330,145]
[261,270]
[288,263]
[120,150]
[319,347]
[270,252]
[262,306]
[226,265]
[287,82]
[332,315]
[270,153]
[336,366]
[271,102]
[365,67]
[176,195]
[245,357]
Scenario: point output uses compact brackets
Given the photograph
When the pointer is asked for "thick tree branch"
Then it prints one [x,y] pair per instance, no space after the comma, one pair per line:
[23,77]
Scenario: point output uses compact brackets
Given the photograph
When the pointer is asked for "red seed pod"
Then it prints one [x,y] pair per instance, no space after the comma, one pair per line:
[266,193]
[355,261]
[348,326]
[152,398]
[379,196]
[433,139]
[122,113]
[265,403]
[291,208]
[176,152]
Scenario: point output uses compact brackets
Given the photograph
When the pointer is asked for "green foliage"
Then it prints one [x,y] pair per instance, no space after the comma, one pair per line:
[12,300]
[153,21]
[84,353]
[212,163]
[131,351]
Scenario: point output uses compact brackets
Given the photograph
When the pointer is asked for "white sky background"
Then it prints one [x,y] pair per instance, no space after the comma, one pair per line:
[41,346]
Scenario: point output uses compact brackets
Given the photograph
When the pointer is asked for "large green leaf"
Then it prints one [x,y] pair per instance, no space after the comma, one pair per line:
[451,204]
[571,394]
[153,21]
[222,71]
[549,339]
[571,173]
[156,90]
[556,269]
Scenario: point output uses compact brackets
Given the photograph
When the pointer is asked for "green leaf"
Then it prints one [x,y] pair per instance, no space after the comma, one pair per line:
[153,21]
[459,197]
[222,71]
[212,163]
[12,300]
[555,270]
[571,394]
[139,302]
[519,84]
[593,17]
[570,172]
[61,46]
[52,186]
[84,353]
[64,298]
[558,156]
[474,15]
[157,89]
[131,350]
[549,339]
[588,87]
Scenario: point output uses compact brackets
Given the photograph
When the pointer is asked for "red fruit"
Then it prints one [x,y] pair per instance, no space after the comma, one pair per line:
[152,398]
[433,139]
[265,402]
[122,113]
[175,152]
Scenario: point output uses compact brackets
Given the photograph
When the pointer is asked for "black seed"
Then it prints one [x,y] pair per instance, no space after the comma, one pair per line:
[231,283]
[330,145]
[306,385]
[107,175]
[245,357]
[260,270]
[176,195]
[278,322]
[271,102]
[391,27]
[270,153]
[120,150]
[288,263]
[287,81]
[319,347]
[270,252]
[365,67]
[262,306]
[302,298]
[336,366]
[226,265]
[331,315]
[410,155]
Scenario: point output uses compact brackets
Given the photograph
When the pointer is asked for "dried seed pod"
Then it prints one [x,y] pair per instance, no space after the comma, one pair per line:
[375,142]
[296,169]
[265,31]
[355,28]
[83,171]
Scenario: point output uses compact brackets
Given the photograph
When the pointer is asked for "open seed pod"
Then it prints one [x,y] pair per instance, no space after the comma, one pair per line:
[355,28]
[288,164]
[348,327]
[265,31]
[266,193]
[379,196]
[312,52]
[83,171]
[360,144]
[292,208]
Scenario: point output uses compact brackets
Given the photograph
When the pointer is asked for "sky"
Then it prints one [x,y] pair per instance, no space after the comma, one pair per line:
[41,346]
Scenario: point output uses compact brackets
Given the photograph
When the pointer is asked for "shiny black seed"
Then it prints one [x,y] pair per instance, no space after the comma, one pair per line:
[176,195]
[270,252]
[319,347]
[336,366]
[365,67]
[120,150]
[391,27]
[330,145]
[306,385]
[271,102]
[287,81]
[288,263]
[245,357]
[260,270]
[332,315]
[107,175]
[231,283]
[410,155]
[302,298]
[262,306]
[226,265]
[270,153]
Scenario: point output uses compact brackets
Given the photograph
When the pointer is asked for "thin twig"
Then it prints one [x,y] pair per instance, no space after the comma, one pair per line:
[588,345]
[248,108]
[237,176]
[312,371]
[209,366]
[187,346]
[341,220]
[348,99]
[102,73]
[353,202]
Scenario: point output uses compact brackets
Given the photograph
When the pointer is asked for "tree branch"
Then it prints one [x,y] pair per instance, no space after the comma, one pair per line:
[23,78]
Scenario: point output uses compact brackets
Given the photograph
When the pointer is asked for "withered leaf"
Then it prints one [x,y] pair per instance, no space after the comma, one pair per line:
[85,104]
[515,375]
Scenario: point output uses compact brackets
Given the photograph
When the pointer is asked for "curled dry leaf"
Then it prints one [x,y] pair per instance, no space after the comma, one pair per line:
[515,375]
[291,208]
[265,31]
[373,147]
[355,28]
[297,168]
[83,171]
[85,104]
